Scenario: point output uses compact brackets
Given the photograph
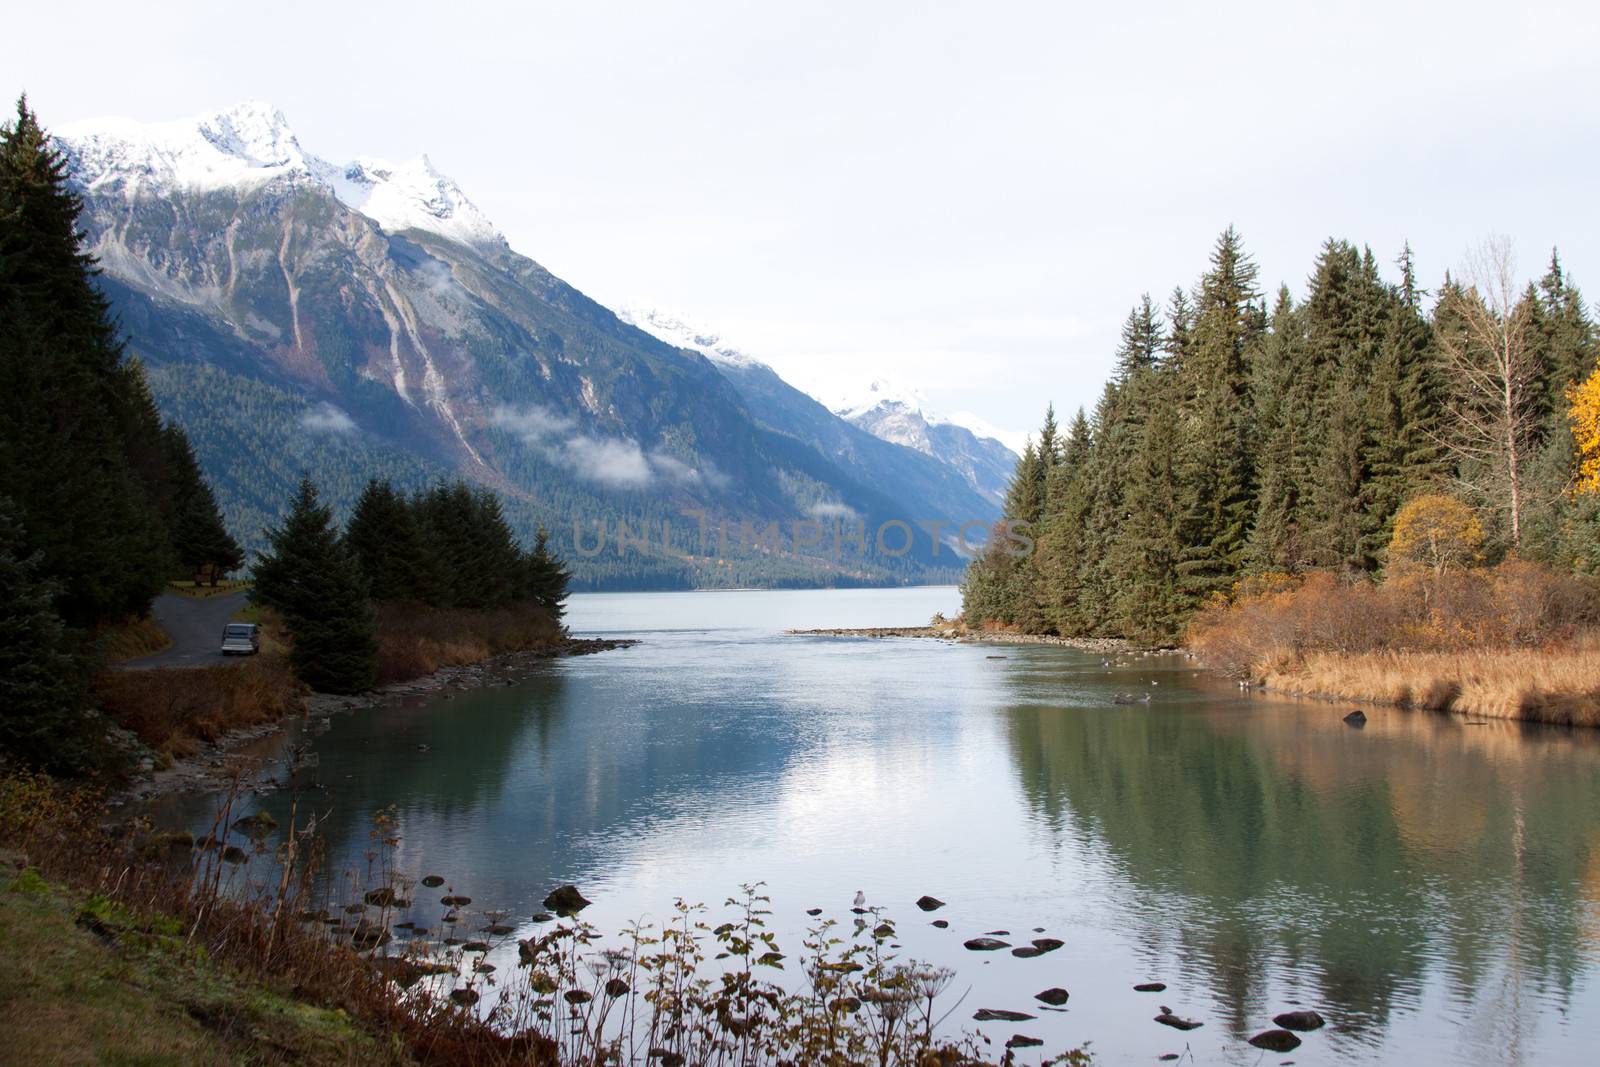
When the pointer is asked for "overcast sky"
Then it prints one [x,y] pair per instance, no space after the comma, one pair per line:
[966,197]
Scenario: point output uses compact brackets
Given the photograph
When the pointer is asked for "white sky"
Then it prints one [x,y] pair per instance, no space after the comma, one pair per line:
[963,196]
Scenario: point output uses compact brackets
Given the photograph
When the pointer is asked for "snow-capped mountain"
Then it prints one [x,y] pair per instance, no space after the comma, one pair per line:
[251,145]
[365,319]
[966,443]
[674,328]
[892,413]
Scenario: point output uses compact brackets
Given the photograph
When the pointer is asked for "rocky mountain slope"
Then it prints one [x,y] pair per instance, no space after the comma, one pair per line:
[937,468]
[365,318]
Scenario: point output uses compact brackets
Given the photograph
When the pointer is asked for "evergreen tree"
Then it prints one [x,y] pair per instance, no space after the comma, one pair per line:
[1283,402]
[311,580]
[1142,340]
[385,539]
[546,577]
[71,415]
[1216,458]
[42,696]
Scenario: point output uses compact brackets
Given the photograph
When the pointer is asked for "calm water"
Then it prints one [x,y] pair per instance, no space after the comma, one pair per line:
[1432,887]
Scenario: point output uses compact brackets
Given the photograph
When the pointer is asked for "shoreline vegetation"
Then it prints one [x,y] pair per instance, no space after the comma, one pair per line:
[1515,641]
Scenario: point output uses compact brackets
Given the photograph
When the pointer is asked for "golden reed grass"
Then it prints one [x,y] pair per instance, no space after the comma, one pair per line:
[1516,641]
[1556,685]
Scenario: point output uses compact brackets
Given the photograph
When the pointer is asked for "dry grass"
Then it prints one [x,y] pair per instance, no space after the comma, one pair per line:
[1518,641]
[130,640]
[1556,685]
[414,640]
[175,709]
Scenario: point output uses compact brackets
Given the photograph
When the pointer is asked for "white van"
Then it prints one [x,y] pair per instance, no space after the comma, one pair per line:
[241,639]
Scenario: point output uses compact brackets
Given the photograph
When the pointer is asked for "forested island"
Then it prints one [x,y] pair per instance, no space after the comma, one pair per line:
[1362,492]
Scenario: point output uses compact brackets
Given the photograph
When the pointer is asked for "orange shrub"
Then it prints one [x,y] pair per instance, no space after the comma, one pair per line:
[1514,605]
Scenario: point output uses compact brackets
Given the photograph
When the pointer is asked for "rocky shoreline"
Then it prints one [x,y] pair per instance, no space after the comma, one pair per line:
[987,637]
[231,759]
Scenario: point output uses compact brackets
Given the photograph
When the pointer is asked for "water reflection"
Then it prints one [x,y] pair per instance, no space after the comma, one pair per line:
[1267,844]
[1432,888]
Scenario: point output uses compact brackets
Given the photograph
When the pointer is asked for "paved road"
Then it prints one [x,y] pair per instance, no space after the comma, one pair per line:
[195,626]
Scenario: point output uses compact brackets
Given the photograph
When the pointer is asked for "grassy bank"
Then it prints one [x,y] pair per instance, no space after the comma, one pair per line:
[94,982]
[1516,641]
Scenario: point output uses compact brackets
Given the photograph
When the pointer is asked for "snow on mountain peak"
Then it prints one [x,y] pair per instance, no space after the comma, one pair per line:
[254,131]
[675,329]
[252,144]
[880,392]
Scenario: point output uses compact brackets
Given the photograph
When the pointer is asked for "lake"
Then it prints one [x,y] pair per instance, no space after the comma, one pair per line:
[1431,886]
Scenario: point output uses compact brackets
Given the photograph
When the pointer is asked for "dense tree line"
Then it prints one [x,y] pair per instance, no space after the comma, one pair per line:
[101,502]
[446,547]
[1241,435]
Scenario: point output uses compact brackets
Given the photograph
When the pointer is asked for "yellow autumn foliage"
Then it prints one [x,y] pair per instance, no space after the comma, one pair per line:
[1436,532]
[1585,416]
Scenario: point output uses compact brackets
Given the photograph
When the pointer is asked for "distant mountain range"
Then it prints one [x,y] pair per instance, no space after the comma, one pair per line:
[964,462]
[366,319]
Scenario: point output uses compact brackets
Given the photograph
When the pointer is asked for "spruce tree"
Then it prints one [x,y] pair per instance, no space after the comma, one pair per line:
[1216,459]
[546,577]
[71,415]
[386,541]
[43,700]
[311,580]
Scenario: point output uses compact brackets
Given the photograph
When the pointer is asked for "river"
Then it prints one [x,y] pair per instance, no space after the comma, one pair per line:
[1431,886]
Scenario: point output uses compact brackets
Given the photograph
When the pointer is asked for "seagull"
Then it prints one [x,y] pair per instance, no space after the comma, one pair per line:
[861,899]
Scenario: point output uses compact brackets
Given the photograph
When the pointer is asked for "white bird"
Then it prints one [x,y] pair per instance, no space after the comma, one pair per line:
[861,899]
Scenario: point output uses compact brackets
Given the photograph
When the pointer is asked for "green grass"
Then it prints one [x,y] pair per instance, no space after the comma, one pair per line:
[91,983]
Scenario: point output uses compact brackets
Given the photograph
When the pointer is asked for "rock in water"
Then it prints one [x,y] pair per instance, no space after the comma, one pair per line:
[566,901]
[1150,987]
[1356,718]
[1276,1041]
[927,903]
[1300,1020]
[985,1015]
[1055,996]
[986,944]
[1024,1041]
[942,924]
[1166,1018]
[433,881]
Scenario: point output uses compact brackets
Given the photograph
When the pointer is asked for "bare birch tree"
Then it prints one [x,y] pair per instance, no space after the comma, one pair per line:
[1491,372]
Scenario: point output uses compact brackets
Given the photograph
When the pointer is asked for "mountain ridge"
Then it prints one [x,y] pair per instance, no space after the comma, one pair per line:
[416,331]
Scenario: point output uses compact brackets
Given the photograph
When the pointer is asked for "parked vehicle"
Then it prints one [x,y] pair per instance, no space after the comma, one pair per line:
[241,639]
